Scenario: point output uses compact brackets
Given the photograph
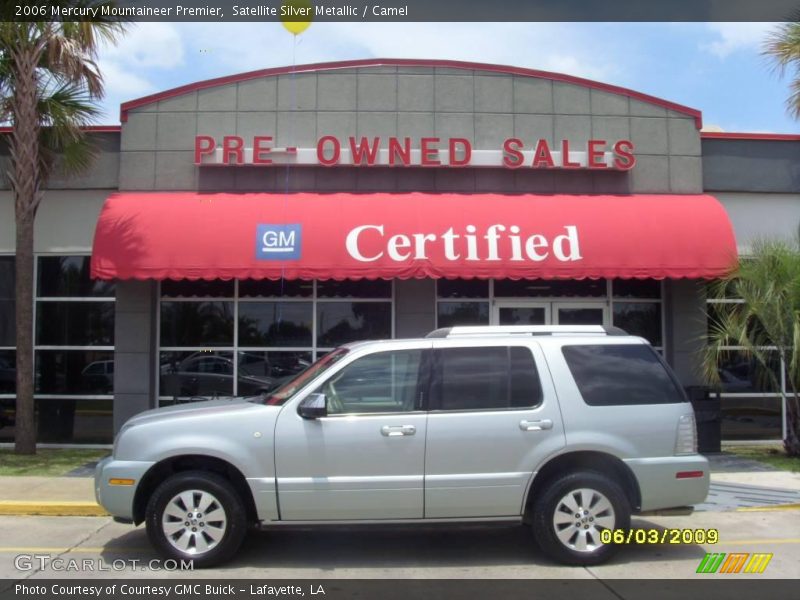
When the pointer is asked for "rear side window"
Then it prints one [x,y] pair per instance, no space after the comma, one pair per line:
[614,375]
[486,378]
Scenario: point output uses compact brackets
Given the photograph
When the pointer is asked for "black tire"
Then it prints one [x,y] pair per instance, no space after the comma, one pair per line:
[226,496]
[548,501]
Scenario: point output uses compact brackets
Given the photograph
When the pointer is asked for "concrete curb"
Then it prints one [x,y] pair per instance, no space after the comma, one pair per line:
[52,509]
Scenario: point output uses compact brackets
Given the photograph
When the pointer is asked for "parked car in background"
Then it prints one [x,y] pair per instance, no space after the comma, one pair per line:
[211,375]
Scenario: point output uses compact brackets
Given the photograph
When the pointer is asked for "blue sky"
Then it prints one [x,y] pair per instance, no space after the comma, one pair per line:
[714,67]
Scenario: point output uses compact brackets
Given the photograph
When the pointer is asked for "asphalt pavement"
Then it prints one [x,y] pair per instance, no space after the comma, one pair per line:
[91,544]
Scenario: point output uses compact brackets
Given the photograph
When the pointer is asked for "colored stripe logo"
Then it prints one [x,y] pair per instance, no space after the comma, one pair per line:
[735,562]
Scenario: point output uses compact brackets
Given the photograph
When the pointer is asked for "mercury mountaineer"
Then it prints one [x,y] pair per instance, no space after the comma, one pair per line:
[569,430]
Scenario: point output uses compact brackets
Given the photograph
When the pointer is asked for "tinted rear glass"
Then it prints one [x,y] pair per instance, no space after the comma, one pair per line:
[609,375]
[486,378]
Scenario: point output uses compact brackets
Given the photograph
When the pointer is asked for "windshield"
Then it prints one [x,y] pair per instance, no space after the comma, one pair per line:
[290,387]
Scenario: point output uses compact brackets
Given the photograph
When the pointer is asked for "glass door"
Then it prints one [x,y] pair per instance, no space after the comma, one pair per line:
[525,312]
[521,313]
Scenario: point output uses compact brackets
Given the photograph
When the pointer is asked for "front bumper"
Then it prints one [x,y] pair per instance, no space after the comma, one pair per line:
[118,499]
[661,488]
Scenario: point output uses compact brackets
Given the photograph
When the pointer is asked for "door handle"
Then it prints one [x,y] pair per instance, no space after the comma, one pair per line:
[398,430]
[535,425]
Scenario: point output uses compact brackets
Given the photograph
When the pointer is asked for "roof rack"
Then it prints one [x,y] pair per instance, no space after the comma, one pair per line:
[553,330]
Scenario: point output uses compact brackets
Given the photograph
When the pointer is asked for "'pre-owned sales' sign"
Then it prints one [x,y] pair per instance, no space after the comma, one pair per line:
[332,151]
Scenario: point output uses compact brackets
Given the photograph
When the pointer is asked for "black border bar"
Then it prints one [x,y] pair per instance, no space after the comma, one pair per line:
[419,10]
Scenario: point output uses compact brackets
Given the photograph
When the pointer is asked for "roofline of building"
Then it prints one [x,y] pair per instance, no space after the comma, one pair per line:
[732,135]
[407,62]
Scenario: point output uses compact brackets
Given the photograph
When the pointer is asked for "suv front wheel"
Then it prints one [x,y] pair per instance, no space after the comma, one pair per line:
[571,513]
[196,516]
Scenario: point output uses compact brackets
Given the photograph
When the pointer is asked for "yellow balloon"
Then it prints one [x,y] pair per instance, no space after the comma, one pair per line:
[296,15]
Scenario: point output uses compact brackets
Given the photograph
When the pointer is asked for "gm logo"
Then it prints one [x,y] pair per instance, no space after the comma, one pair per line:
[278,242]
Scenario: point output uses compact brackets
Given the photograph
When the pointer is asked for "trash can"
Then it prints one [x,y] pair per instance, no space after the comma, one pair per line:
[708,415]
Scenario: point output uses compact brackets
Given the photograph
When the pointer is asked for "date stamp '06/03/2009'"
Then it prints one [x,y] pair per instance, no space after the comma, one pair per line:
[659,536]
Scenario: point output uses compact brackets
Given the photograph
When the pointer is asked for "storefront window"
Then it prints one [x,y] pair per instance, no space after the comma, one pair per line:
[275,323]
[636,288]
[276,366]
[343,322]
[451,314]
[750,395]
[73,354]
[242,338]
[68,276]
[640,318]
[462,302]
[7,318]
[196,373]
[752,418]
[8,371]
[636,308]
[74,372]
[739,373]
[197,323]
[75,324]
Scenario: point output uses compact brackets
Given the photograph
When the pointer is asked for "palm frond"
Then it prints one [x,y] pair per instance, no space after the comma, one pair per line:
[782,48]
[63,112]
[782,45]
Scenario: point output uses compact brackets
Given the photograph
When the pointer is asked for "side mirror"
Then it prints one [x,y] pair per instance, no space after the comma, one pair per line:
[313,406]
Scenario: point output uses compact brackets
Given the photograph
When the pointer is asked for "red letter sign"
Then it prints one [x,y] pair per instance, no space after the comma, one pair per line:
[429,153]
[542,156]
[625,160]
[512,157]
[597,159]
[203,144]
[467,148]
[259,148]
[337,150]
[232,144]
[364,150]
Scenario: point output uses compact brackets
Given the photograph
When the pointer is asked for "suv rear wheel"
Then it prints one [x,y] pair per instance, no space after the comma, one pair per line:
[196,516]
[571,513]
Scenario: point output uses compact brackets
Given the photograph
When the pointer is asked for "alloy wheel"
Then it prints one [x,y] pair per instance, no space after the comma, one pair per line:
[580,517]
[194,522]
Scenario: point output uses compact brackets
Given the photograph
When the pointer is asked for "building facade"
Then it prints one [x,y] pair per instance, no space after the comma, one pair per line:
[244,226]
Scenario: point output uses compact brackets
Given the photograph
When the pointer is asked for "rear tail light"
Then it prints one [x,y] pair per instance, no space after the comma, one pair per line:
[686,438]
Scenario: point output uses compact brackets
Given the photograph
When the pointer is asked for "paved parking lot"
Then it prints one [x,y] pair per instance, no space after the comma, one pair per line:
[394,552]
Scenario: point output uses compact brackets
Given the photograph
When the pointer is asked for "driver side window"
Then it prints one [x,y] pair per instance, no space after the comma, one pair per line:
[384,382]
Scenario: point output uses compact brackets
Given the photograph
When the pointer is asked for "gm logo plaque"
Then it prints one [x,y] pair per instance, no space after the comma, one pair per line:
[734,562]
[278,242]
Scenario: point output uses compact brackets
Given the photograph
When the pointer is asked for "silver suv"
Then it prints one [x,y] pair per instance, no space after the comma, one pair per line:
[567,429]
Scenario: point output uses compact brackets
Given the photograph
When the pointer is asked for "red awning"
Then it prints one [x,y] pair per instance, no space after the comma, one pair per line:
[351,236]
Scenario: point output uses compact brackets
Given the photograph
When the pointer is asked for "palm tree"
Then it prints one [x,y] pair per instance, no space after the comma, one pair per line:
[765,324]
[48,82]
[783,47]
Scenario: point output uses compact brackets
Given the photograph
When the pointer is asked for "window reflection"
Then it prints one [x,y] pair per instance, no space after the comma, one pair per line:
[74,372]
[197,323]
[451,314]
[342,322]
[275,323]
